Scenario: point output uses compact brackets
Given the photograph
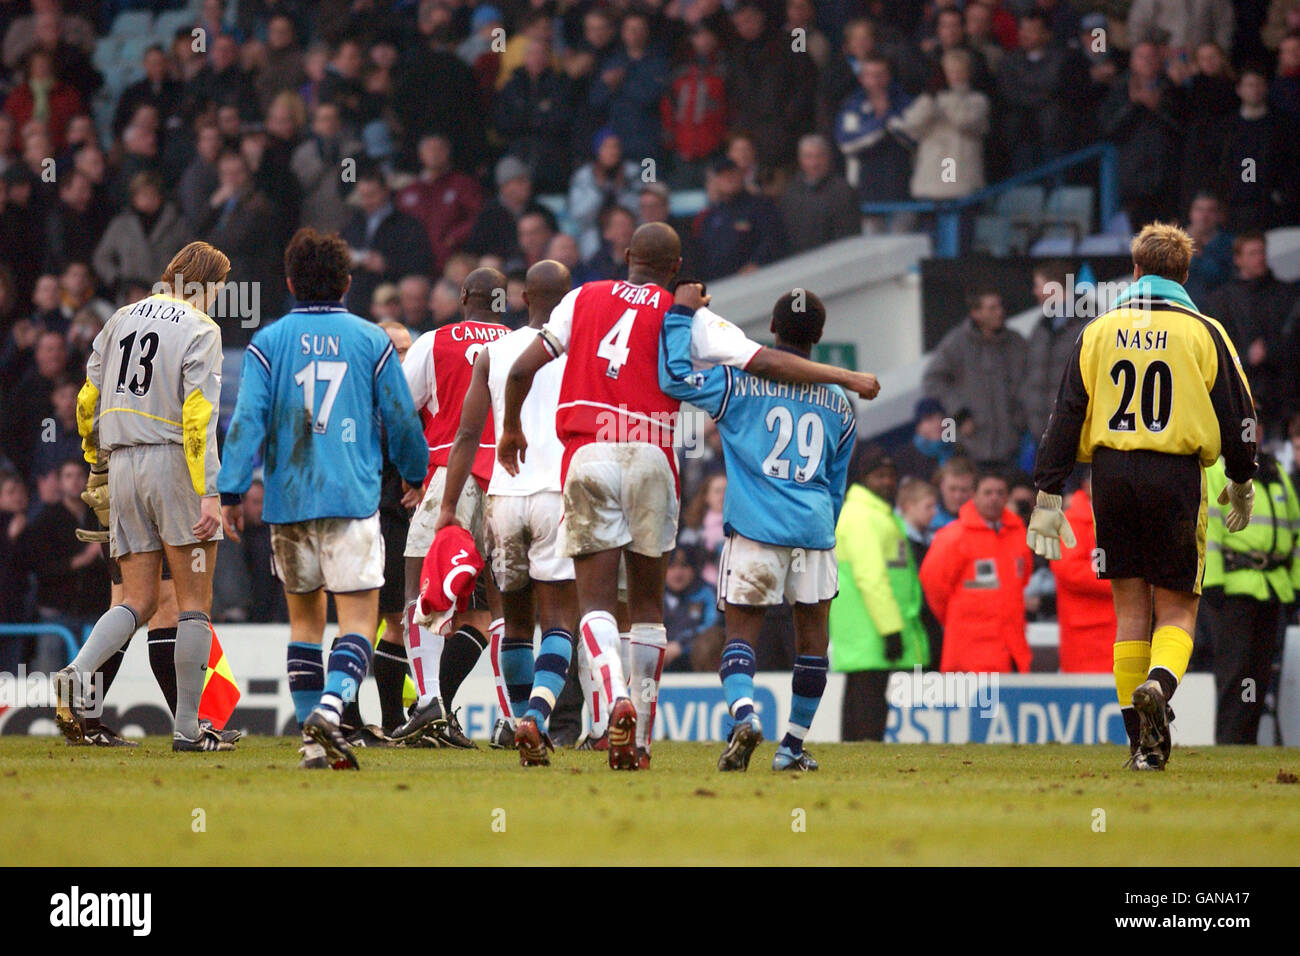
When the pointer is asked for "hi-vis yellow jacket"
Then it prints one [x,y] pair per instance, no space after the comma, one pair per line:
[1264,556]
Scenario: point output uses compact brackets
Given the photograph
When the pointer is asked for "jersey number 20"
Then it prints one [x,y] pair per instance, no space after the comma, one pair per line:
[809,437]
[1157,396]
[331,372]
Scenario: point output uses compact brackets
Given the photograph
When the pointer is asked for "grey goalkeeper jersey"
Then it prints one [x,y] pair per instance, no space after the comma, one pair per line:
[154,378]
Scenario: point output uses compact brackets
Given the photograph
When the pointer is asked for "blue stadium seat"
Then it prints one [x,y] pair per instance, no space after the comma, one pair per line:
[993,235]
[687,202]
[1071,207]
[1053,246]
[166,25]
[132,23]
[1102,244]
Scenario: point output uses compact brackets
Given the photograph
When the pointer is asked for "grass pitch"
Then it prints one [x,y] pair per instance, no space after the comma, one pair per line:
[869,804]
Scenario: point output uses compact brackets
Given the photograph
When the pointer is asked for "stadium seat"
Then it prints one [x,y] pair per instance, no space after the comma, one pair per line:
[1119,225]
[1022,207]
[1103,244]
[687,202]
[132,23]
[167,24]
[993,236]
[1071,207]
[1053,246]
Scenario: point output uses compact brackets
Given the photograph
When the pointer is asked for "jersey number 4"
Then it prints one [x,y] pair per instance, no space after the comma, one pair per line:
[809,435]
[613,347]
[331,372]
[1157,396]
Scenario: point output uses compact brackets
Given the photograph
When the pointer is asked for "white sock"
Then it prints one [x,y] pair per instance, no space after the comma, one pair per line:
[599,631]
[193,642]
[625,658]
[648,642]
[590,693]
[424,651]
[497,630]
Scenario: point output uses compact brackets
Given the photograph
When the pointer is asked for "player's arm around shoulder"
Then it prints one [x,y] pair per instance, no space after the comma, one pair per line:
[707,388]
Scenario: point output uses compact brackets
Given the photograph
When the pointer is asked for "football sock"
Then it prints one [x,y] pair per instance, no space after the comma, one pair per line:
[646,646]
[424,648]
[351,718]
[390,673]
[306,678]
[1132,660]
[625,655]
[737,674]
[549,673]
[517,672]
[162,661]
[193,643]
[461,653]
[1171,649]
[498,678]
[599,632]
[807,684]
[348,665]
[590,692]
[107,637]
[101,685]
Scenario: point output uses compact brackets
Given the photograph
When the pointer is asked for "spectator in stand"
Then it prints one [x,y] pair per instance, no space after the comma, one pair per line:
[802,15]
[978,24]
[14,606]
[495,230]
[839,80]
[28,403]
[610,260]
[771,90]
[702,525]
[690,607]
[1284,95]
[609,179]
[23,33]
[974,577]
[1208,89]
[978,368]
[1261,314]
[76,222]
[318,164]
[221,81]
[236,222]
[1257,169]
[818,205]
[741,151]
[1031,85]
[478,51]
[878,158]
[875,620]
[1283,18]
[534,114]
[282,65]
[386,243]
[738,231]
[199,180]
[918,501]
[343,85]
[413,304]
[59,438]
[155,88]
[1211,264]
[445,200]
[628,89]
[1181,25]
[444,302]
[71,576]
[955,480]
[564,250]
[141,240]
[1051,344]
[948,128]
[385,303]
[950,36]
[1141,117]
[921,457]
[694,109]
[1084,604]
[45,97]
[534,235]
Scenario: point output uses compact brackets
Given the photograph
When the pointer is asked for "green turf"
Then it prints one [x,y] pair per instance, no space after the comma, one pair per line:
[869,804]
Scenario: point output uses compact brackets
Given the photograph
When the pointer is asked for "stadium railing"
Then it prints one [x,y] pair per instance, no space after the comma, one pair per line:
[18,630]
[948,212]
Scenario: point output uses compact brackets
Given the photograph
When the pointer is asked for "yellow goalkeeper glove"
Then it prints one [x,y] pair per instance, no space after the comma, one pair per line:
[96,494]
[1240,499]
[1048,528]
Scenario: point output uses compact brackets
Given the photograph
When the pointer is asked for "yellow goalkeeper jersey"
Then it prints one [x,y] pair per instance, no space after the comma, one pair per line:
[1151,374]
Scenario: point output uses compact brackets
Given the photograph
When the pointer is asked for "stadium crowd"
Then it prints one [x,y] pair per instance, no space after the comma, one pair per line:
[428,134]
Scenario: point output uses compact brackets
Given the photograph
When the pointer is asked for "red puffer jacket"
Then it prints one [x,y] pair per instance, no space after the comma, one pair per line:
[1083,604]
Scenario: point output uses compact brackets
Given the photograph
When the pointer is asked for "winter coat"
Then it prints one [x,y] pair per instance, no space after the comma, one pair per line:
[1047,355]
[1084,605]
[126,254]
[949,129]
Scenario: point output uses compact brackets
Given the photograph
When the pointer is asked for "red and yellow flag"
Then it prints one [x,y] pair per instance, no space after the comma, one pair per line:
[220,692]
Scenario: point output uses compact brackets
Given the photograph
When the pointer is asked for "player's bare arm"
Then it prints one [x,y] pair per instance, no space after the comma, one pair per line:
[784,366]
[473,416]
[511,443]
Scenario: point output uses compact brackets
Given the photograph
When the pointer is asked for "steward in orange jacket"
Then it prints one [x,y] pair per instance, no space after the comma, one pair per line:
[1084,606]
[974,577]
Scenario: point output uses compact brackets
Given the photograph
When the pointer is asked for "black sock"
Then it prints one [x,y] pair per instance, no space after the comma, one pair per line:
[162,661]
[107,674]
[1167,681]
[1131,727]
[459,655]
[390,667]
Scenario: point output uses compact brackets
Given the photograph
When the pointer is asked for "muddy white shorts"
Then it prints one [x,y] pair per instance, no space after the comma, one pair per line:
[469,512]
[619,494]
[753,574]
[338,554]
[523,534]
[152,500]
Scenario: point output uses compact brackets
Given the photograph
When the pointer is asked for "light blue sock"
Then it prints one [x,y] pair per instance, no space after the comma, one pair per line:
[807,684]
[549,674]
[349,664]
[737,673]
[517,671]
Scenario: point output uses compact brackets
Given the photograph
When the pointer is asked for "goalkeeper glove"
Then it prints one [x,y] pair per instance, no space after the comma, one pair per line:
[96,494]
[1048,528]
[893,646]
[1240,499]
[91,537]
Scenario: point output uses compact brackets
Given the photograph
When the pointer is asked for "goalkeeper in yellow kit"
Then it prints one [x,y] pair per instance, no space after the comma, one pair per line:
[1153,394]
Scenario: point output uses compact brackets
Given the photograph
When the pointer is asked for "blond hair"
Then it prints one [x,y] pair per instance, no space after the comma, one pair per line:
[1162,249]
[198,262]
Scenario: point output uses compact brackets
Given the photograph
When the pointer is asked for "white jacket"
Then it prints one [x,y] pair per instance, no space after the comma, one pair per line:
[949,129]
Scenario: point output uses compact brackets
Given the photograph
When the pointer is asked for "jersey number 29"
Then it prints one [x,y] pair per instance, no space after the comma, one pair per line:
[331,372]
[809,435]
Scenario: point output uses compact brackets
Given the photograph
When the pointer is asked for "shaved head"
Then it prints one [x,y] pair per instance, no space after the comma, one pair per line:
[481,283]
[546,283]
[655,253]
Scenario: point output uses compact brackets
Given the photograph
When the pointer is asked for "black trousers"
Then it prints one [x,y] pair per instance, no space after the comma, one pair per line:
[566,716]
[1245,636]
[865,708]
